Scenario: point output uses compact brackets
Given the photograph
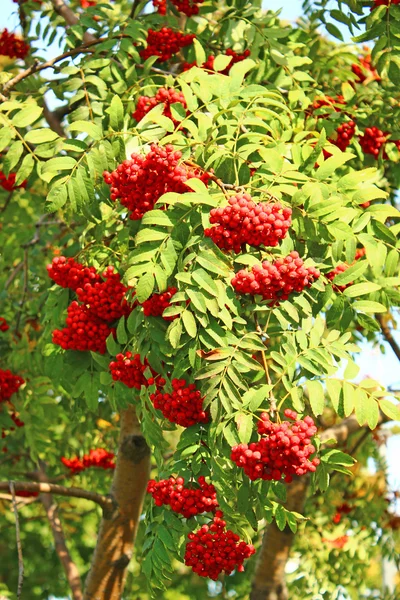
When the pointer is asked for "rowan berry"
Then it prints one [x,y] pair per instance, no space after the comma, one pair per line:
[106,299]
[284,451]
[187,501]
[98,457]
[364,70]
[165,43]
[188,7]
[246,222]
[213,549]
[8,183]
[128,369]
[373,140]
[161,6]
[157,303]
[68,273]
[12,46]
[209,64]
[140,181]
[163,96]
[9,384]
[83,331]
[4,326]
[276,281]
[183,406]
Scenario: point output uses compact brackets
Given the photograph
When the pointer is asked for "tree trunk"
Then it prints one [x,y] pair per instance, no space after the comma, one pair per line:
[269,577]
[118,529]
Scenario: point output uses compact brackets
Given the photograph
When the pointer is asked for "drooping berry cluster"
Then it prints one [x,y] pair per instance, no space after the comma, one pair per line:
[342,267]
[164,96]
[4,326]
[161,6]
[276,281]
[12,46]
[142,180]
[98,457]
[106,299]
[344,134]
[209,64]
[128,369]
[365,70]
[373,140]
[245,222]
[187,501]
[84,331]
[157,303]
[329,101]
[8,183]
[68,273]
[188,7]
[165,43]
[384,3]
[9,384]
[284,451]
[183,406]
[214,549]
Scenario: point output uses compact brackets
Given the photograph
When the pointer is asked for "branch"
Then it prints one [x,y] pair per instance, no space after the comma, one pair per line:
[7,202]
[387,334]
[70,17]
[11,487]
[70,568]
[105,502]
[53,120]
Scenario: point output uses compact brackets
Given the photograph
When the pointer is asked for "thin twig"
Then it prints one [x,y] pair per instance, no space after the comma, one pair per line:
[134,7]
[106,502]
[13,274]
[19,546]
[7,202]
[24,292]
[387,334]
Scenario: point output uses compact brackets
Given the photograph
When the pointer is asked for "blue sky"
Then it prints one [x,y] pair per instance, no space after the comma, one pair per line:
[384,368]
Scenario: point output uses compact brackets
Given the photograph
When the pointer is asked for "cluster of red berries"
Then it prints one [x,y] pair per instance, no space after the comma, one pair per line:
[341,268]
[329,101]
[338,543]
[8,183]
[343,509]
[213,549]
[276,281]
[165,43]
[374,139]
[4,326]
[384,3]
[187,501]
[68,273]
[128,369]
[99,457]
[157,303]
[161,6]
[344,134]
[12,46]
[188,7]
[9,384]
[285,450]
[184,406]
[84,331]
[88,3]
[142,180]
[365,70]
[106,299]
[164,96]
[245,222]
[209,64]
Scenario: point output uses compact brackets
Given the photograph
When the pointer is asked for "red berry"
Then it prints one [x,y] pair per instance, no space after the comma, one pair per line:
[8,183]
[83,332]
[9,384]
[99,457]
[106,299]
[68,273]
[4,326]
[163,96]
[157,303]
[165,43]
[187,501]
[209,64]
[184,406]
[128,369]
[12,46]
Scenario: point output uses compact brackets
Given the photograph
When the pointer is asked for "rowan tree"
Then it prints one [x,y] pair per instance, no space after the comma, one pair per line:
[199,233]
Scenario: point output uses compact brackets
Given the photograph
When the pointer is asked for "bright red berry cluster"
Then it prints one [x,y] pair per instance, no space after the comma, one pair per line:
[276,281]
[161,6]
[88,3]
[157,303]
[184,406]
[209,64]
[4,326]
[9,384]
[344,134]
[128,369]
[12,46]
[165,43]
[245,222]
[164,96]
[384,3]
[373,140]
[187,501]
[68,273]
[8,183]
[84,331]
[188,7]
[142,180]
[284,451]
[106,299]
[341,268]
[213,549]
[328,101]
[98,457]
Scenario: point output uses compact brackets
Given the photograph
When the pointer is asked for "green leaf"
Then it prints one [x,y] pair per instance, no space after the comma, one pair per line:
[332,164]
[348,399]
[360,289]
[57,197]
[205,282]
[112,346]
[122,336]
[280,517]
[189,323]
[254,397]
[316,397]
[352,273]
[245,427]
[116,112]
[150,235]
[25,169]
[93,130]
[368,306]
[390,409]
[144,287]
[60,163]
[41,136]
[175,333]
[27,116]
